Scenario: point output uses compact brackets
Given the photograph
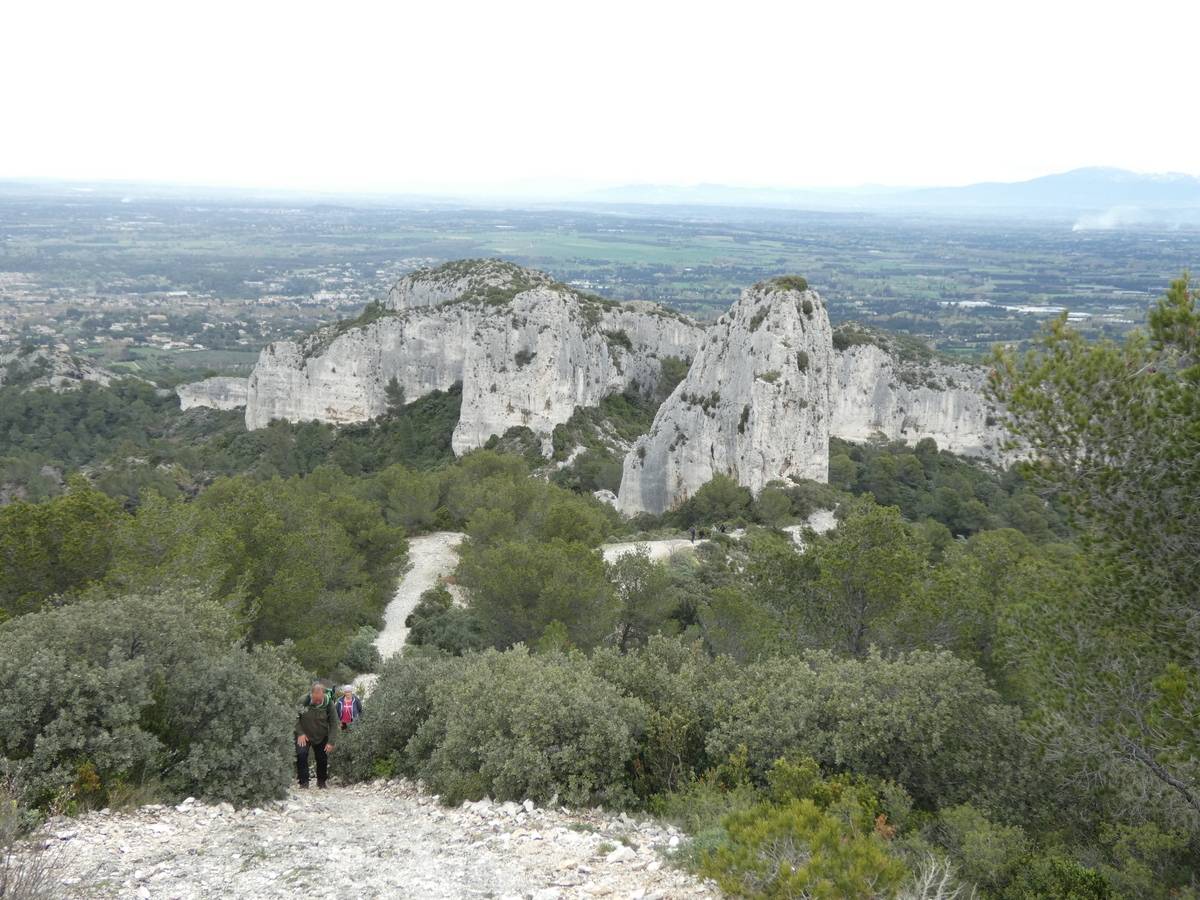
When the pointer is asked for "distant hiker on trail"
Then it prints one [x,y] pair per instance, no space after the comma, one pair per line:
[315,727]
[693,534]
[349,707]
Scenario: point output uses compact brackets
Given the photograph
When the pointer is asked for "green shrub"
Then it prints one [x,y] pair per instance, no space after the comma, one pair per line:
[772,506]
[619,339]
[720,500]
[987,854]
[1057,878]
[437,621]
[927,721]
[362,655]
[123,690]
[758,318]
[514,726]
[517,588]
[399,703]
[799,850]
[1146,861]
[802,358]
[679,685]
[53,547]
[700,808]
[790,283]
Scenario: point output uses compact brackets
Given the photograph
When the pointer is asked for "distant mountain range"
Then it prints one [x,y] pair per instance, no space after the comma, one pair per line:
[1117,193]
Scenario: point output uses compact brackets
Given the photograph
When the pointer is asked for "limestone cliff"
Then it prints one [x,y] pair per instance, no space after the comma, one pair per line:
[884,390]
[221,392]
[754,405]
[528,352]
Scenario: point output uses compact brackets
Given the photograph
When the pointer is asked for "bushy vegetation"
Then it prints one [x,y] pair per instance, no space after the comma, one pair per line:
[122,694]
[789,283]
[306,560]
[133,439]
[925,483]
[759,712]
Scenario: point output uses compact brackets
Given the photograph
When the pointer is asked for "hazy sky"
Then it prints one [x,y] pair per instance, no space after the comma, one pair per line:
[470,96]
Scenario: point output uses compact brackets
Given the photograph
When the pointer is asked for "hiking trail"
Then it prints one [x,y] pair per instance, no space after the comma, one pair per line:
[431,557]
[378,840]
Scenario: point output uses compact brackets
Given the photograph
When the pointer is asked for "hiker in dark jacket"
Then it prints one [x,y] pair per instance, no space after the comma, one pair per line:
[315,727]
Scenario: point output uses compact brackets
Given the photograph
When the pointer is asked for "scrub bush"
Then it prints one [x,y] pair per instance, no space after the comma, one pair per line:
[115,691]
[513,725]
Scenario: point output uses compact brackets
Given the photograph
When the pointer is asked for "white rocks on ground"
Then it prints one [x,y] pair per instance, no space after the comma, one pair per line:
[380,840]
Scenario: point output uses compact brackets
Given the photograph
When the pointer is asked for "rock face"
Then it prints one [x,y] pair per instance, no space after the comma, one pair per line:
[216,393]
[754,405]
[527,350]
[875,392]
[50,368]
[765,391]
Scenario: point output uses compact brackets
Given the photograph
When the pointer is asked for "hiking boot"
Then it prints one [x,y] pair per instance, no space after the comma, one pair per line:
[322,785]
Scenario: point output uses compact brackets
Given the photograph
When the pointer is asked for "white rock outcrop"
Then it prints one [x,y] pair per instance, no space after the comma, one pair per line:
[220,392]
[55,369]
[754,405]
[764,394]
[875,393]
[527,350]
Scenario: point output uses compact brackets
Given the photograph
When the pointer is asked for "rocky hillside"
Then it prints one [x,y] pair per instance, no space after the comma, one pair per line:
[528,352]
[54,369]
[754,405]
[769,383]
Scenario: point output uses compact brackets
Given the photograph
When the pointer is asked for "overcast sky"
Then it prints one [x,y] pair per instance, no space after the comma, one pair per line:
[461,97]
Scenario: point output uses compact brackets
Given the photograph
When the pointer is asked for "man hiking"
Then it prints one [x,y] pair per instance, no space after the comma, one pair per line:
[315,727]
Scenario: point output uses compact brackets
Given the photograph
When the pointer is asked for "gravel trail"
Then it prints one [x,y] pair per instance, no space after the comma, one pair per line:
[379,840]
[431,557]
[657,550]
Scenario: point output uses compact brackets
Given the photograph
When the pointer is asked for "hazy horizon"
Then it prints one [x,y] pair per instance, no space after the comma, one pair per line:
[485,101]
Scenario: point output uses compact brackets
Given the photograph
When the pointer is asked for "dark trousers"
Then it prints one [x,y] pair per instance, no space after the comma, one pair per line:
[318,748]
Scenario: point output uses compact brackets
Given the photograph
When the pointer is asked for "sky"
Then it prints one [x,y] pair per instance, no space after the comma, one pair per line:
[559,97]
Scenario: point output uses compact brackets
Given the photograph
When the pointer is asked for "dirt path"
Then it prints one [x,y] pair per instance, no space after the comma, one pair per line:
[658,550]
[367,841]
[431,557]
